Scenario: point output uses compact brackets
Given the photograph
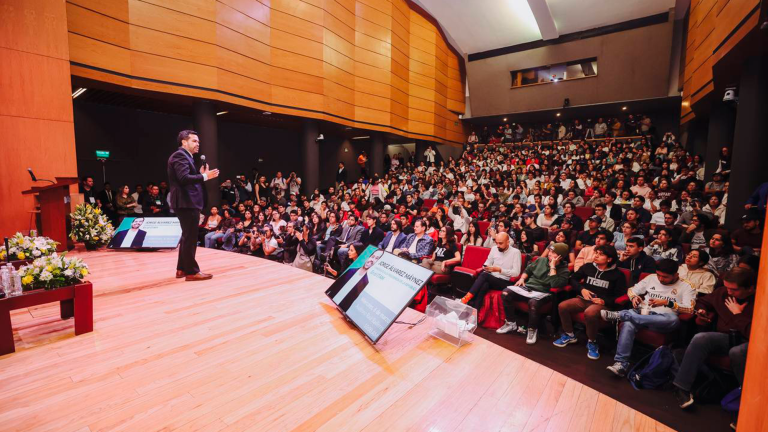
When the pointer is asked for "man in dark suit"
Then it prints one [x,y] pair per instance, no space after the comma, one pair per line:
[358,279]
[341,175]
[135,235]
[186,200]
[371,236]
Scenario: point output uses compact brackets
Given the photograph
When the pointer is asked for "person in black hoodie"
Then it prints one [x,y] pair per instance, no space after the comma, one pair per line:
[598,283]
[636,260]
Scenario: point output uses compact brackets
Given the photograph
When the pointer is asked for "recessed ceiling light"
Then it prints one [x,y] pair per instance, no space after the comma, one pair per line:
[222,112]
[557,115]
[624,108]
[267,113]
[505,119]
[361,137]
[78,92]
[348,128]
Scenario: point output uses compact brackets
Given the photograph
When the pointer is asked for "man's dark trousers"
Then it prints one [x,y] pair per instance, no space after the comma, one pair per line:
[189,219]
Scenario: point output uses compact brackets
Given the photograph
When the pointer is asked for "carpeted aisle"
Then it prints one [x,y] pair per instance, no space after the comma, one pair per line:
[572,361]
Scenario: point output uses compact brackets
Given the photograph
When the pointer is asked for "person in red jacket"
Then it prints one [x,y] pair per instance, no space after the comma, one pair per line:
[730,308]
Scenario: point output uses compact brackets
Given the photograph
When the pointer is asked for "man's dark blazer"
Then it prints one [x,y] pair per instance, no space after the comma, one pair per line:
[341,177]
[398,242]
[351,296]
[186,184]
[138,241]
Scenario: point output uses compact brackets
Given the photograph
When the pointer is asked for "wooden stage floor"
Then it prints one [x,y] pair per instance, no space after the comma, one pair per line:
[259,347]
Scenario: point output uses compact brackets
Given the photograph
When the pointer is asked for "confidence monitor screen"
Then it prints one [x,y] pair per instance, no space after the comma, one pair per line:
[375,290]
[147,233]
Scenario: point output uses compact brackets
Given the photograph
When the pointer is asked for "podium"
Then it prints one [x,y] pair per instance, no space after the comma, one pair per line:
[54,208]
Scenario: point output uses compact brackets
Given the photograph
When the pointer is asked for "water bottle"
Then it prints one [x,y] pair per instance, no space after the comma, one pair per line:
[5,282]
[17,288]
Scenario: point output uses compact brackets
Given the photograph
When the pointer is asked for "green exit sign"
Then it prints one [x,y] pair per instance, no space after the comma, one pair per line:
[102,154]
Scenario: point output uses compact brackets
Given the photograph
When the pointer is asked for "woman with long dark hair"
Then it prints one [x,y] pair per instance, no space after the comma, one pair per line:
[446,253]
[473,237]
[722,257]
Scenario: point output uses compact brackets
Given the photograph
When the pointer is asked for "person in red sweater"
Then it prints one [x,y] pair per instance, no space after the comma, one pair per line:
[730,308]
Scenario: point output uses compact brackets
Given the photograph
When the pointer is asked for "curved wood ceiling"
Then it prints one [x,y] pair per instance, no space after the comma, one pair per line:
[371,64]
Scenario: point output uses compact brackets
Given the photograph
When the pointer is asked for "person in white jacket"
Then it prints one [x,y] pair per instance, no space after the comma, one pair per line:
[459,216]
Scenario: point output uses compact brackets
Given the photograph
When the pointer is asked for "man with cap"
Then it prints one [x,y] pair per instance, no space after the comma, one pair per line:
[587,238]
[547,272]
[748,239]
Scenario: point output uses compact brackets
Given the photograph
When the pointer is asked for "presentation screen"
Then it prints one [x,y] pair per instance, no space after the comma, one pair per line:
[147,233]
[375,290]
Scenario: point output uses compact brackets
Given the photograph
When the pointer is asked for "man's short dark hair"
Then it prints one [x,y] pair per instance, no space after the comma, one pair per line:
[640,197]
[635,241]
[608,251]
[184,135]
[742,277]
[605,233]
[668,266]
[601,205]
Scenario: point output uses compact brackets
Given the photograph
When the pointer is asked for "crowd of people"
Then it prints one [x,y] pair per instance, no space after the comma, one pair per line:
[648,212]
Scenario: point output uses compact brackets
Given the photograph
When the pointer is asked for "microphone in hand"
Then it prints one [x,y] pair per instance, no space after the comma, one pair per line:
[212,174]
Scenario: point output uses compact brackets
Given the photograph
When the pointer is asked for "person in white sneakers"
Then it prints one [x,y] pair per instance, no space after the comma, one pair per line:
[657,299]
[534,286]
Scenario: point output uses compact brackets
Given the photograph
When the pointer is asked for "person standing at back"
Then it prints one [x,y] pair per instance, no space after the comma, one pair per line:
[186,200]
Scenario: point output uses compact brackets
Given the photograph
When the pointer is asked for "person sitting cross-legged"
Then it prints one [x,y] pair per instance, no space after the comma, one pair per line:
[547,272]
[503,263]
[598,283]
[666,295]
[730,308]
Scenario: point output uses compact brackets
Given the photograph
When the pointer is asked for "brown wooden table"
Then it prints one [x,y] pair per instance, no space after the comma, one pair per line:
[75,301]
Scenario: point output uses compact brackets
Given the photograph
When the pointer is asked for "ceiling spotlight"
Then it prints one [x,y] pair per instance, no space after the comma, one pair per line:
[557,115]
[78,92]
[505,119]
[361,137]
[222,112]
[623,108]
[348,128]
[267,113]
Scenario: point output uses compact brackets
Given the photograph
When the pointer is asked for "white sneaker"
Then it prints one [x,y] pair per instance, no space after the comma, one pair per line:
[507,327]
[532,336]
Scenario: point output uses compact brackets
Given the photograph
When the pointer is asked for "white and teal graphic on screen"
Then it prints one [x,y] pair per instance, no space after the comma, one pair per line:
[147,233]
[376,288]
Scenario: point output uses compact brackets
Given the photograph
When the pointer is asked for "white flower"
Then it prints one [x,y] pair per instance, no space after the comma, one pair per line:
[36,253]
[69,272]
[46,276]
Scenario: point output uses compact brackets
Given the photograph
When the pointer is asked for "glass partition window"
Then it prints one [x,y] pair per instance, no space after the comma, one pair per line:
[554,73]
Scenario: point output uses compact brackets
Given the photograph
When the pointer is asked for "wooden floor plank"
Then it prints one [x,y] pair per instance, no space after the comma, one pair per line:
[260,347]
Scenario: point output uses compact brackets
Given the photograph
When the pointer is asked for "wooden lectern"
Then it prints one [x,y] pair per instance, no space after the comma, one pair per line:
[54,208]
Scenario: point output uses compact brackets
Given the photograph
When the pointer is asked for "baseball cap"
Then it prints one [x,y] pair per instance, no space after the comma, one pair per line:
[387,207]
[529,215]
[595,219]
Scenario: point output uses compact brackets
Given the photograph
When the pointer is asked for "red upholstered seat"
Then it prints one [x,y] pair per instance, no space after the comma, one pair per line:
[584,213]
[458,237]
[483,227]
[541,245]
[473,260]
[428,203]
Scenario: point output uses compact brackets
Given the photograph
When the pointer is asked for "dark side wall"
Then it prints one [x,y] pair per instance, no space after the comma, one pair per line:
[631,65]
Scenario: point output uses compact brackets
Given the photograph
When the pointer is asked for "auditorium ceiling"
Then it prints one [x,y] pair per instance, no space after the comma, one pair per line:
[482,25]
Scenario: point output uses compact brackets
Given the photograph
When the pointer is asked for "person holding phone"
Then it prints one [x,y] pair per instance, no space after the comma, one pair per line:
[533,286]
[598,283]
[730,309]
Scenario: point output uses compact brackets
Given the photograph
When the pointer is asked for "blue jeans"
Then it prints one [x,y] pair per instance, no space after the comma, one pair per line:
[343,256]
[633,321]
[230,239]
[211,238]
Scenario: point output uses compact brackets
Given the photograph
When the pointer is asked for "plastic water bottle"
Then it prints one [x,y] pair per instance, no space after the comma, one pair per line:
[16,283]
[5,281]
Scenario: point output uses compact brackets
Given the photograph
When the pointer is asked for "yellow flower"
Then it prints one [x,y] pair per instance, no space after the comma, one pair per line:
[84,272]
[21,255]
[26,280]
[49,268]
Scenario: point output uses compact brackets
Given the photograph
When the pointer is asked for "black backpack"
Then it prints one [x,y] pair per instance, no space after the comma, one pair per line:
[654,370]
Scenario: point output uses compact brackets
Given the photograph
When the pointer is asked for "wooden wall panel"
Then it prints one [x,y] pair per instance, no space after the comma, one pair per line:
[375,64]
[710,24]
[35,105]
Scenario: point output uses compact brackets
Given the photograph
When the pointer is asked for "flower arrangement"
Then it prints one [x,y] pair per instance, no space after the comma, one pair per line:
[23,247]
[52,271]
[90,226]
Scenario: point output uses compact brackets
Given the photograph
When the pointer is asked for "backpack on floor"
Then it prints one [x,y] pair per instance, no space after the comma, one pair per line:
[732,401]
[654,370]
[709,386]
